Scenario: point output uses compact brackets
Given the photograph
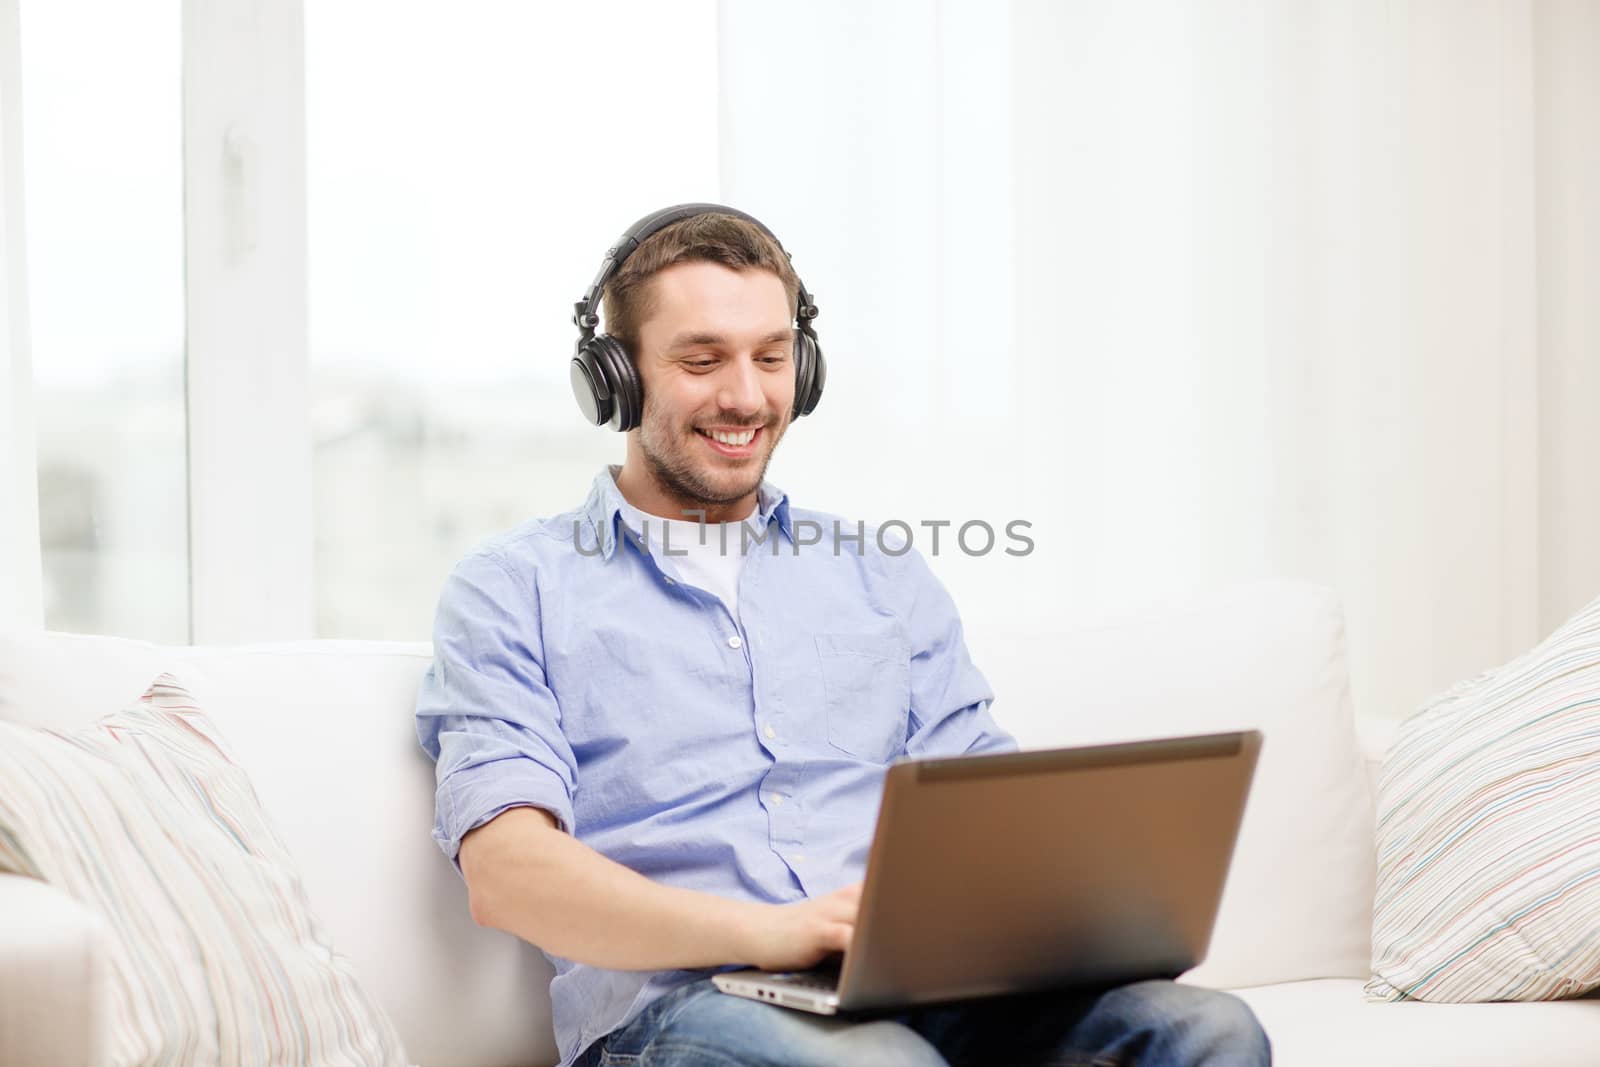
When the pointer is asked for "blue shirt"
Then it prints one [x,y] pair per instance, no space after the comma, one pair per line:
[575,672]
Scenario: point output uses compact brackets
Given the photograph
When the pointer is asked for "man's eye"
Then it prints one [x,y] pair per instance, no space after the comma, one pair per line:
[773,359]
[702,363]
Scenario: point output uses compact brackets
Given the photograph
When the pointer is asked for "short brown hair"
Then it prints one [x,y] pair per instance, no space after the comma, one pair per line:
[719,238]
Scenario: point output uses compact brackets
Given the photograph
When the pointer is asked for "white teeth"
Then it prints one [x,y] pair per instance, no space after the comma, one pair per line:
[736,440]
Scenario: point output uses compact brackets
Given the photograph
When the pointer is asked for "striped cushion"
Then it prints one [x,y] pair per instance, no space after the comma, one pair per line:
[1489,834]
[214,954]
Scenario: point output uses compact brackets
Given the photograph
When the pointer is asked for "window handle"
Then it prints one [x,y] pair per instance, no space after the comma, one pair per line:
[241,170]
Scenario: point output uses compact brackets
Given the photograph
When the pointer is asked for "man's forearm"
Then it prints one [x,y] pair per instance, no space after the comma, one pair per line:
[530,879]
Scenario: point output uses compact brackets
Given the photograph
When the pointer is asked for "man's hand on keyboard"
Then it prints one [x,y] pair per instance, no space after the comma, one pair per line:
[792,937]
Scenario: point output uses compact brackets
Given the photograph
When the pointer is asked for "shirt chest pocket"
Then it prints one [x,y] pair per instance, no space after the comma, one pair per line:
[867,682]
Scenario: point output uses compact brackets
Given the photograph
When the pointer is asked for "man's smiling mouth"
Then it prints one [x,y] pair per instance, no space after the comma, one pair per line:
[731,437]
[731,441]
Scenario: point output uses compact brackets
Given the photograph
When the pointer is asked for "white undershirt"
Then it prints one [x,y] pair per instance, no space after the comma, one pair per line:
[705,566]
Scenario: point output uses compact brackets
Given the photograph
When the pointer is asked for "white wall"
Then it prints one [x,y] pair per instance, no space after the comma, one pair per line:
[1567,94]
[1344,337]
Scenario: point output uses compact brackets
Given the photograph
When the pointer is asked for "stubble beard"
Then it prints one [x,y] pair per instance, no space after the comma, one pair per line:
[668,456]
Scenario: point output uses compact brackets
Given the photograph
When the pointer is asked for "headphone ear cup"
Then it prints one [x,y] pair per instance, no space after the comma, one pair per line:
[810,373]
[589,386]
[605,384]
[627,392]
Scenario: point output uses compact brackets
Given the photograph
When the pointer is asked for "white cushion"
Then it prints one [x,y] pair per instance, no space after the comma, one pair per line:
[1330,1023]
[1489,862]
[145,817]
[1269,656]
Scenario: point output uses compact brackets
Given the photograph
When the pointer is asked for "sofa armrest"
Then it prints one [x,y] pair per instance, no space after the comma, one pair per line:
[54,980]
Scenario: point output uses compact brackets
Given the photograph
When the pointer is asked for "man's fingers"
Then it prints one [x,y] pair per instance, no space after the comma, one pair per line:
[849,892]
[839,935]
[842,907]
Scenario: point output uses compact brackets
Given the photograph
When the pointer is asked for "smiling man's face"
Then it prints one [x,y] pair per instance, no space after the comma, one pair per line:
[716,361]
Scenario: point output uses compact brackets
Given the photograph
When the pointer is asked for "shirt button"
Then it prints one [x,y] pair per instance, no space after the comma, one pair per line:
[777,798]
[771,733]
[671,582]
[734,642]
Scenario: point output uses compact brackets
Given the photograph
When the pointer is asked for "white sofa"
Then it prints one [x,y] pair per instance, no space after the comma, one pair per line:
[325,729]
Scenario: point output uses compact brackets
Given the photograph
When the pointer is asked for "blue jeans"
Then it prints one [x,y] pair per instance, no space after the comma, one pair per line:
[1151,1024]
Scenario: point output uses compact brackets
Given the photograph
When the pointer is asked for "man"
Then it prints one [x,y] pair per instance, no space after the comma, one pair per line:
[661,721]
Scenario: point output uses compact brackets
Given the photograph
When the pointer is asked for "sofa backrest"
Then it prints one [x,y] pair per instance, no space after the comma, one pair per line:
[325,729]
[1269,656]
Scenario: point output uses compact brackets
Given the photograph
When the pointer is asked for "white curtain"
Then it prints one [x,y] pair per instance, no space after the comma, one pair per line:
[1205,292]
[19,493]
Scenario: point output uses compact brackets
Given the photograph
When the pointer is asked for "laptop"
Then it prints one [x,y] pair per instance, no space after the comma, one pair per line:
[996,874]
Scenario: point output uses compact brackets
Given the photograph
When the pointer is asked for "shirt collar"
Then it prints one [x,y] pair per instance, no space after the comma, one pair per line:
[605,503]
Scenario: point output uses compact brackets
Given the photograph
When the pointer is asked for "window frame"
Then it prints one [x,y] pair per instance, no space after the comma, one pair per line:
[20,554]
[246,322]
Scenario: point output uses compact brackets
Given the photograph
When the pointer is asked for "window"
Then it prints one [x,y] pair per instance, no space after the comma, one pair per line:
[103,178]
[461,194]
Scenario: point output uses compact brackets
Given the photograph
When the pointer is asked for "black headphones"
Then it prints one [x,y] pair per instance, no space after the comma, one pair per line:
[605,381]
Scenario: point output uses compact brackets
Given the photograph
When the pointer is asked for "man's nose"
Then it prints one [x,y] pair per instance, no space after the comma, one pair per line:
[741,388]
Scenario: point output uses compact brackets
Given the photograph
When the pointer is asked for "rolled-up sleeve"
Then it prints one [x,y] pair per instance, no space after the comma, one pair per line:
[950,697]
[485,712]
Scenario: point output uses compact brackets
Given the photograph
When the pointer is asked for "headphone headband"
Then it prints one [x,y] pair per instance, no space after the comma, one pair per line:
[605,381]
[583,315]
